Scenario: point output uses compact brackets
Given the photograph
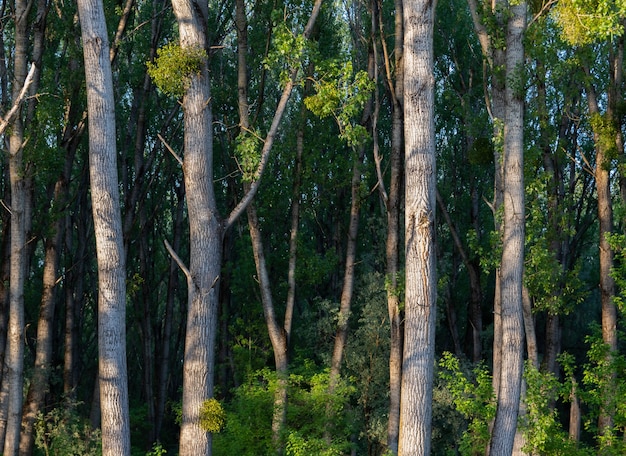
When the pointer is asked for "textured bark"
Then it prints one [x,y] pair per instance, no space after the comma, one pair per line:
[14,357]
[512,264]
[420,206]
[105,199]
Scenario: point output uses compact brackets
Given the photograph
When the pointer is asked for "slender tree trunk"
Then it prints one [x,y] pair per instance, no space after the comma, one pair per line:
[512,264]
[341,335]
[108,231]
[395,84]
[420,206]
[14,357]
[172,286]
[276,332]
[45,327]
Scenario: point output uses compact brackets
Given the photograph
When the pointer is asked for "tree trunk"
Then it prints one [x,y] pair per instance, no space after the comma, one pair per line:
[172,286]
[276,332]
[395,84]
[108,231]
[45,326]
[420,207]
[605,220]
[512,264]
[341,335]
[14,357]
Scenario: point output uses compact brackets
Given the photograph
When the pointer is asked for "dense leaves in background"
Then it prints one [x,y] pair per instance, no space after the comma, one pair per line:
[323,221]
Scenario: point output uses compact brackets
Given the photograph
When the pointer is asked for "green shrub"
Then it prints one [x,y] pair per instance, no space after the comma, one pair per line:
[63,432]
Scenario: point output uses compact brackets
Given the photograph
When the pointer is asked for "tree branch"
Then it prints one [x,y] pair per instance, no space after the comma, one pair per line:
[10,116]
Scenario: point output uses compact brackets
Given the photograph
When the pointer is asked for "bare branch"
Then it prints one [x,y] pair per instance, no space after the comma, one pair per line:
[10,116]
[167,146]
[178,260]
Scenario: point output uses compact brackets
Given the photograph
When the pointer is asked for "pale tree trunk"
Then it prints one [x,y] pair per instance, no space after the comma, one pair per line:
[420,193]
[512,264]
[14,357]
[205,237]
[395,83]
[108,231]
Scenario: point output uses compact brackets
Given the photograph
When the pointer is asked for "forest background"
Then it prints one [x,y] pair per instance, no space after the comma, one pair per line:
[304,331]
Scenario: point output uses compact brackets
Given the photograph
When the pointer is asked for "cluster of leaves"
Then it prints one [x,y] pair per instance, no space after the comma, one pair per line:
[248,153]
[342,94]
[289,51]
[473,397]
[62,431]
[212,416]
[589,21]
[174,67]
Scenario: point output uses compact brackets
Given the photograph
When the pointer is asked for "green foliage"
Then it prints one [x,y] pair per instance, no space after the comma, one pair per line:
[473,397]
[588,21]
[212,416]
[542,429]
[62,432]
[617,241]
[248,153]
[606,131]
[249,415]
[157,450]
[604,380]
[174,66]
[298,445]
[289,50]
[342,95]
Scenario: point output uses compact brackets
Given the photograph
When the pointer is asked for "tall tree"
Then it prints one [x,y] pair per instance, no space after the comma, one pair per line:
[20,182]
[512,263]
[420,206]
[108,231]
[391,197]
[206,226]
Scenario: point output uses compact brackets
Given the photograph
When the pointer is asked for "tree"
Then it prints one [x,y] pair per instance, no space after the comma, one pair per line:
[206,227]
[420,191]
[108,231]
[512,264]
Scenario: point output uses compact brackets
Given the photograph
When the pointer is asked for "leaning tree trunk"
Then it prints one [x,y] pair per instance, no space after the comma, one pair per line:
[512,264]
[105,199]
[420,206]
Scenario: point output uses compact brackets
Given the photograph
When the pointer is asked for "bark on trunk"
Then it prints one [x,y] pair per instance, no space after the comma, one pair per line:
[108,231]
[512,264]
[420,191]
[14,357]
